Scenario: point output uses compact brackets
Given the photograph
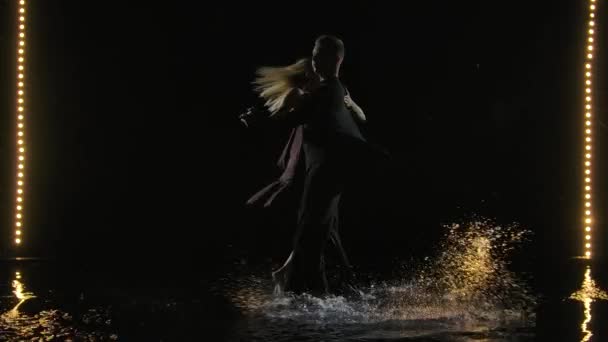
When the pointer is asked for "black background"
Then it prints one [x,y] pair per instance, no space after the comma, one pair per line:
[134,152]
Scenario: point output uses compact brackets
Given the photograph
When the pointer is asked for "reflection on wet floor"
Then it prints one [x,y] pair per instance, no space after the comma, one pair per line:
[54,302]
[587,294]
[36,321]
[20,294]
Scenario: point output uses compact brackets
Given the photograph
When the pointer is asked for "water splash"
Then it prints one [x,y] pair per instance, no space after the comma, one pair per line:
[471,269]
[468,283]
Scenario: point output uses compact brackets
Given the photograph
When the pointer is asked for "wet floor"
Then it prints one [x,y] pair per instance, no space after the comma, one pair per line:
[36,303]
[465,293]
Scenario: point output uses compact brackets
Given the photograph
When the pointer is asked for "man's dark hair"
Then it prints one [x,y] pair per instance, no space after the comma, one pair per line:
[331,45]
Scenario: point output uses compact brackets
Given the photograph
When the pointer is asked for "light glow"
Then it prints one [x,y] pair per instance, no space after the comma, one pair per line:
[588,123]
[20,133]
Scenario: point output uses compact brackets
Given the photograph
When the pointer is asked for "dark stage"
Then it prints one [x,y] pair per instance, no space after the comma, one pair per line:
[137,171]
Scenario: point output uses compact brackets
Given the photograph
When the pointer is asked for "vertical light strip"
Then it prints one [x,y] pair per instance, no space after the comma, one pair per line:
[21,15]
[588,136]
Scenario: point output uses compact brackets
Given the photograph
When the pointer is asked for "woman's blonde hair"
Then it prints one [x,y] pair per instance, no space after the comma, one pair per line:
[274,84]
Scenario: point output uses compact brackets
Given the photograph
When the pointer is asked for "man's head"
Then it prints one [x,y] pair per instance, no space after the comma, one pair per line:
[327,55]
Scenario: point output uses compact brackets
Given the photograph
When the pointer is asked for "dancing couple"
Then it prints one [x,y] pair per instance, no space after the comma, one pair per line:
[325,148]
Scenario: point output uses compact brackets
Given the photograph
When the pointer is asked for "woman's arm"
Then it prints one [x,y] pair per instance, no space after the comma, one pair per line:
[290,102]
[286,115]
[298,107]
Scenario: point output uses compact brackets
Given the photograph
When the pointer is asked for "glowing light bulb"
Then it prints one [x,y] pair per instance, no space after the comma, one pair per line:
[588,98]
[588,220]
[22,10]
[588,131]
[587,196]
[588,107]
[21,51]
[17,240]
[19,207]
[20,142]
[588,188]
[588,254]
[20,125]
[20,117]
[20,134]
[20,84]
[591,31]
[18,232]
[588,90]
[587,172]
[21,18]
[588,123]
[592,23]
[587,204]
[19,191]
[588,245]
[20,109]
[588,212]
[20,175]
[588,237]
[18,224]
[18,216]
[588,66]
[588,139]
[19,199]
[588,156]
[21,150]
[22,27]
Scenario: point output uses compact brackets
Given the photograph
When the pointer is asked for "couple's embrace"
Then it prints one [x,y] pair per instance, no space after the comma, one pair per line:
[323,155]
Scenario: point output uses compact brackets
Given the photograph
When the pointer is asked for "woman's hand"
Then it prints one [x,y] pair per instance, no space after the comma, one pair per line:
[348,101]
[354,108]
